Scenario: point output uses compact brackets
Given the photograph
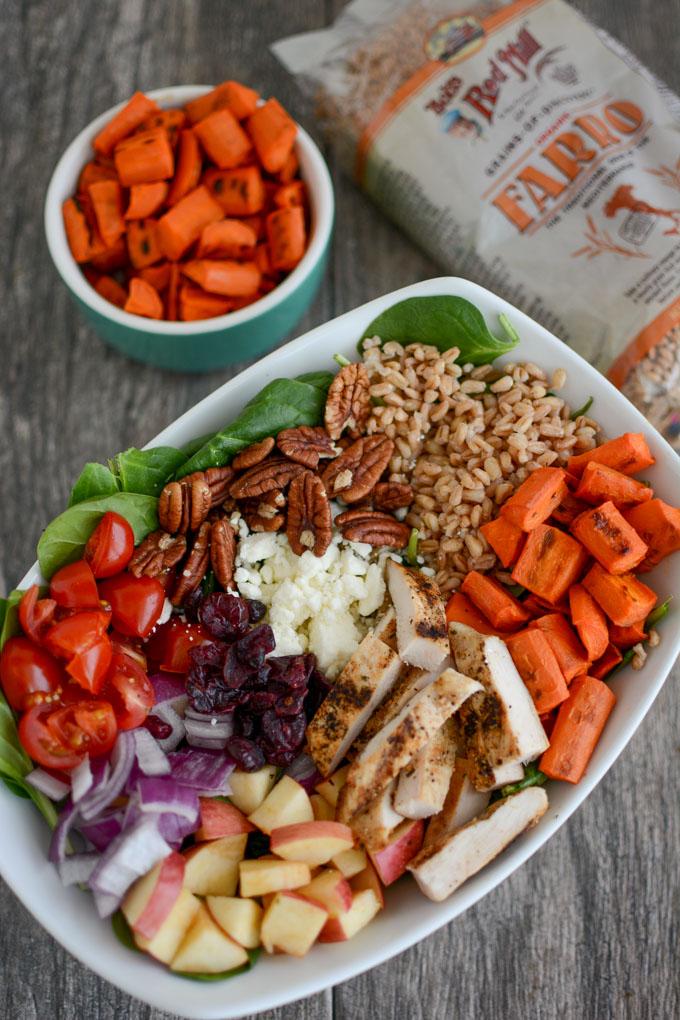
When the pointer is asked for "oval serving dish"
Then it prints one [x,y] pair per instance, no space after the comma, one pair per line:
[69,914]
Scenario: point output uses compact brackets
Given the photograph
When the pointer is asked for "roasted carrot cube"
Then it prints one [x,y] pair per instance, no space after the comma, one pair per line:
[142,243]
[240,192]
[606,663]
[223,139]
[77,229]
[273,133]
[658,525]
[111,290]
[145,157]
[146,199]
[195,304]
[600,484]
[286,234]
[503,611]
[549,563]
[537,665]
[626,637]
[107,202]
[609,539]
[227,239]
[536,498]
[143,299]
[580,721]
[187,168]
[505,538]
[230,95]
[459,609]
[628,453]
[589,621]
[224,276]
[184,223]
[571,655]
[624,599]
[568,509]
[135,111]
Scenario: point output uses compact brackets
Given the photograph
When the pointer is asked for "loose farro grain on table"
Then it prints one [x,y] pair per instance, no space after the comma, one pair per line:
[525,149]
[464,439]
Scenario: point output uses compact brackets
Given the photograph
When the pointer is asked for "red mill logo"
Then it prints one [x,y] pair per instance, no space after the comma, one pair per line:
[508,62]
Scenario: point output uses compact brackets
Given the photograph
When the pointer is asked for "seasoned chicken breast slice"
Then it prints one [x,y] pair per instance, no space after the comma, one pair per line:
[375,824]
[422,786]
[422,637]
[462,804]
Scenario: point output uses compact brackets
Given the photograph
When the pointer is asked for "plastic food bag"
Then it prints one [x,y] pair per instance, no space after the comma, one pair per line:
[525,149]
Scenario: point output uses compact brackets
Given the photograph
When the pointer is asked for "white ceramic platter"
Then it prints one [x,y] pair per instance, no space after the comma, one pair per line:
[69,914]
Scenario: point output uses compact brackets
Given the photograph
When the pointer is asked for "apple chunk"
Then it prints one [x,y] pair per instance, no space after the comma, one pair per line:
[291,924]
[368,879]
[323,811]
[351,862]
[286,804]
[165,942]
[365,905]
[240,919]
[206,949]
[219,818]
[330,788]
[212,868]
[268,875]
[312,842]
[152,897]
[391,860]
[331,890]
[248,789]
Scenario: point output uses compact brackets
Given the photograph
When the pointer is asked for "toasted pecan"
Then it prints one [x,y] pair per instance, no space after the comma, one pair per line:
[348,403]
[373,527]
[306,445]
[352,475]
[275,473]
[253,454]
[309,524]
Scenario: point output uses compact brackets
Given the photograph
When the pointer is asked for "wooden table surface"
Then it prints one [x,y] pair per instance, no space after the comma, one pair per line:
[588,929]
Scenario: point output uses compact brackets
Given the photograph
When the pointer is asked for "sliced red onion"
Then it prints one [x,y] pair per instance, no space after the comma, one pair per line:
[132,854]
[47,784]
[81,780]
[174,829]
[304,771]
[77,868]
[169,688]
[103,831]
[59,841]
[167,796]
[167,713]
[112,783]
[209,732]
[206,772]
[192,713]
[150,757]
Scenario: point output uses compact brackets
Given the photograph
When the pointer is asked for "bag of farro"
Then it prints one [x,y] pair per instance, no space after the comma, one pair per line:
[525,149]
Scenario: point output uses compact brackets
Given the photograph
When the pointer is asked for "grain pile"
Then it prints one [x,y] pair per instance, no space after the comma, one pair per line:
[465,437]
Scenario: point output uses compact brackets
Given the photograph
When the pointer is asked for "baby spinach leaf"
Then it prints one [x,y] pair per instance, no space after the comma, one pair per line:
[189,449]
[64,539]
[445,321]
[532,777]
[146,471]
[282,404]
[123,932]
[252,958]
[94,480]
[10,616]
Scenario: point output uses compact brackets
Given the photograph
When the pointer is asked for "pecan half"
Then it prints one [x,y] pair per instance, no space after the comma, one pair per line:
[275,473]
[264,513]
[157,553]
[352,475]
[218,479]
[222,551]
[373,527]
[196,564]
[183,506]
[309,515]
[253,454]
[392,495]
[306,445]
[348,403]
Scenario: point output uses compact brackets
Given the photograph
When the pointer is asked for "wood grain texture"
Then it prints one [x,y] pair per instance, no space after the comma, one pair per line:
[588,929]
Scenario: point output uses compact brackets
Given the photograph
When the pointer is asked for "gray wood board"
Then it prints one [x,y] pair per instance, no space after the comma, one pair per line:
[589,927]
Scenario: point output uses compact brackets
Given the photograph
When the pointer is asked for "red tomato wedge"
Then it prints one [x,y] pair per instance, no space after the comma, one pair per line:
[89,666]
[29,674]
[129,690]
[35,614]
[75,634]
[74,587]
[110,545]
[136,603]
[170,644]
[85,727]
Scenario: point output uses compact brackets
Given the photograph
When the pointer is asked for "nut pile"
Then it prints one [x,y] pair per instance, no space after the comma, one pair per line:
[286,482]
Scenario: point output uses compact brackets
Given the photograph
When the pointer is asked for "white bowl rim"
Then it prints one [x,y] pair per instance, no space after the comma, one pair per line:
[218,1001]
[323,208]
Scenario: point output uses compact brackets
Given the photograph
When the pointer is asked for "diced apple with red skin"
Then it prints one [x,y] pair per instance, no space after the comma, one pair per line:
[291,924]
[365,905]
[219,818]
[212,868]
[206,949]
[314,843]
[152,897]
[331,890]
[167,939]
[390,862]
[248,789]
[331,787]
[351,862]
[323,811]
[266,875]
[240,919]
[286,804]
[368,879]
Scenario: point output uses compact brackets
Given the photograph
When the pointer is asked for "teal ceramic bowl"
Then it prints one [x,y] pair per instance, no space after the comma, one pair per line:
[211,343]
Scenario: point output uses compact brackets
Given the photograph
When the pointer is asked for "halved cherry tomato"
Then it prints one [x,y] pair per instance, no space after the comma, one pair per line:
[74,587]
[77,633]
[29,675]
[129,690]
[35,614]
[110,545]
[170,644]
[129,646]
[136,603]
[87,727]
[89,666]
[44,747]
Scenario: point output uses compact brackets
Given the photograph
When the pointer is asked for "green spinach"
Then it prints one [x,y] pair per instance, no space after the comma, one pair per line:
[63,540]
[146,471]
[444,321]
[282,404]
[94,480]
[532,777]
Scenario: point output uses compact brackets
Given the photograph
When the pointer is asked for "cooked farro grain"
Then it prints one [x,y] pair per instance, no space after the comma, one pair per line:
[465,437]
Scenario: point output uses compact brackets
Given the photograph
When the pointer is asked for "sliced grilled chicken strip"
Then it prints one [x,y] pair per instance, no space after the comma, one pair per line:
[386,629]
[422,637]
[442,867]
[361,686]
[462,804]
[390,750]
[510,773]
[410,681]
[422,786]
[500,726]
[375,824]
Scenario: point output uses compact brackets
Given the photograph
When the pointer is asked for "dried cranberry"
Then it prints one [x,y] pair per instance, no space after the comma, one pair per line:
[224,615]
[278,755]
[290,705]
[210,654]
[290,670]
[260,701]
[192,604]
[253,647]
[157,727]
[256,610]
[283,733]
[235,672]
[246,725]
[247,755]
[317,691]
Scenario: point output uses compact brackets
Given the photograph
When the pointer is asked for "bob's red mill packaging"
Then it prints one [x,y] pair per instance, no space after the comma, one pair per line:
[525,149]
